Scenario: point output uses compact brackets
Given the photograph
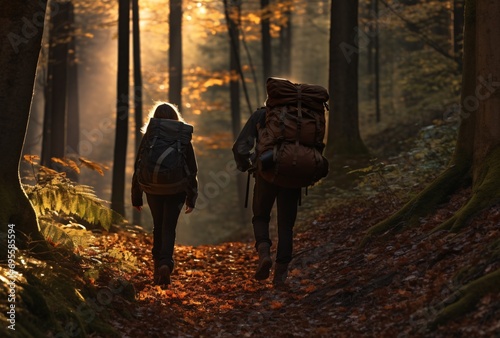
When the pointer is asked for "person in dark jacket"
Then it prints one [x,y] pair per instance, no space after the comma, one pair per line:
[165,205]
[264,196]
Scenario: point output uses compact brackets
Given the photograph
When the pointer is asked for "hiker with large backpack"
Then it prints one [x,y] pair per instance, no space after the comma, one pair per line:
[166,170]
[282,145]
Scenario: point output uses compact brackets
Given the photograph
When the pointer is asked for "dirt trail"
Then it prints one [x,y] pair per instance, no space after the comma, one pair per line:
[334,288]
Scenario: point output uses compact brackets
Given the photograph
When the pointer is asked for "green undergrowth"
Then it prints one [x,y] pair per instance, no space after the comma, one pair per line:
[401,176]
[71,290]
[60,197]
[68,212]
[422,175]
[53,298]
[398,177]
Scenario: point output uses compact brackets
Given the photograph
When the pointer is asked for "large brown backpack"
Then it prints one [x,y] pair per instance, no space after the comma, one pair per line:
[290,140]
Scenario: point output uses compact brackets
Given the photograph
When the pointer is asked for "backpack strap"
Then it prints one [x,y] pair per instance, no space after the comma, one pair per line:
[277,152]
[261,122]
[159,162]
[299,123]
[280,141]
[282,122]
[152,144]
[186,168]
[182,149]
[318,127]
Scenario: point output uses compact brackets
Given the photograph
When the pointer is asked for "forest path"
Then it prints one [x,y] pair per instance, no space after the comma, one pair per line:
[213,293]
[334,289]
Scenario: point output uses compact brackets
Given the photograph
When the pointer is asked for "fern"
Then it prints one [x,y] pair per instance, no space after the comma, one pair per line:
[55,235]
[56,193]
[126,259]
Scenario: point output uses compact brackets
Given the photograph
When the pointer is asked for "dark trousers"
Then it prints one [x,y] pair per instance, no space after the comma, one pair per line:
[165,210]
[264,195]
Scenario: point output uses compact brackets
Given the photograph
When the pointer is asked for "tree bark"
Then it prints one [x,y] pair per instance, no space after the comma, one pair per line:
[21,28]
[267,64]
[477,150]
[57,82]
[234,61]
[285,39]
[460,164]
[458,27]
[343,131]
[137,85]
[487,79]
[122,107]
[376,45]
[73,134]
[232,13]
[175,53]
[484,102]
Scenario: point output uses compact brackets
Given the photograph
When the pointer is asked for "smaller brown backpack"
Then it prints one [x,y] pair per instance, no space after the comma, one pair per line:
[290,140]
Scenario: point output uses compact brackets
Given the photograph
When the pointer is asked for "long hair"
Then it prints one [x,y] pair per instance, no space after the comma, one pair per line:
[163,110]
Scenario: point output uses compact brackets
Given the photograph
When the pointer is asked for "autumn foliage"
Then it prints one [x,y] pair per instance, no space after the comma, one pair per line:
[395,286]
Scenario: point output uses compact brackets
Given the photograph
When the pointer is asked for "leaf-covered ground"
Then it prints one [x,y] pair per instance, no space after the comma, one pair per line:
[392,288]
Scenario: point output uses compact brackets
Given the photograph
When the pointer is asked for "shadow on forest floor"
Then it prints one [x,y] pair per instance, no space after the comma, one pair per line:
[392,288]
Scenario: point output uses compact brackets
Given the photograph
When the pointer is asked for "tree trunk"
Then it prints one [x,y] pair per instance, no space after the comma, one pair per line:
[376,62]
[232,11]
[286,41]
[122,107]
[488,84]
[343,131]
[234,61]
[370,46]
[458,27]
[483,145]
[267,64]
[175,53]
[137,85]
[477,150]
[21,26]
[461,161]
[47,117]
[55,113]
[73,130]
[373,56]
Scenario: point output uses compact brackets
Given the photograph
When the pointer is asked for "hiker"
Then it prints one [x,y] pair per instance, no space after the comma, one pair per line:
[165,169]
[282,161]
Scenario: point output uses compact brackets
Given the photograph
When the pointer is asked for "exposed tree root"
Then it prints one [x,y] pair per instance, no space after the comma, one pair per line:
[16,210]
[423,203]
[466,298]
[485,194]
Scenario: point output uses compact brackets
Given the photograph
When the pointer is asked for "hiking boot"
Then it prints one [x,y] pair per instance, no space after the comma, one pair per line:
[265,261]
[163,276]
[280,274]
